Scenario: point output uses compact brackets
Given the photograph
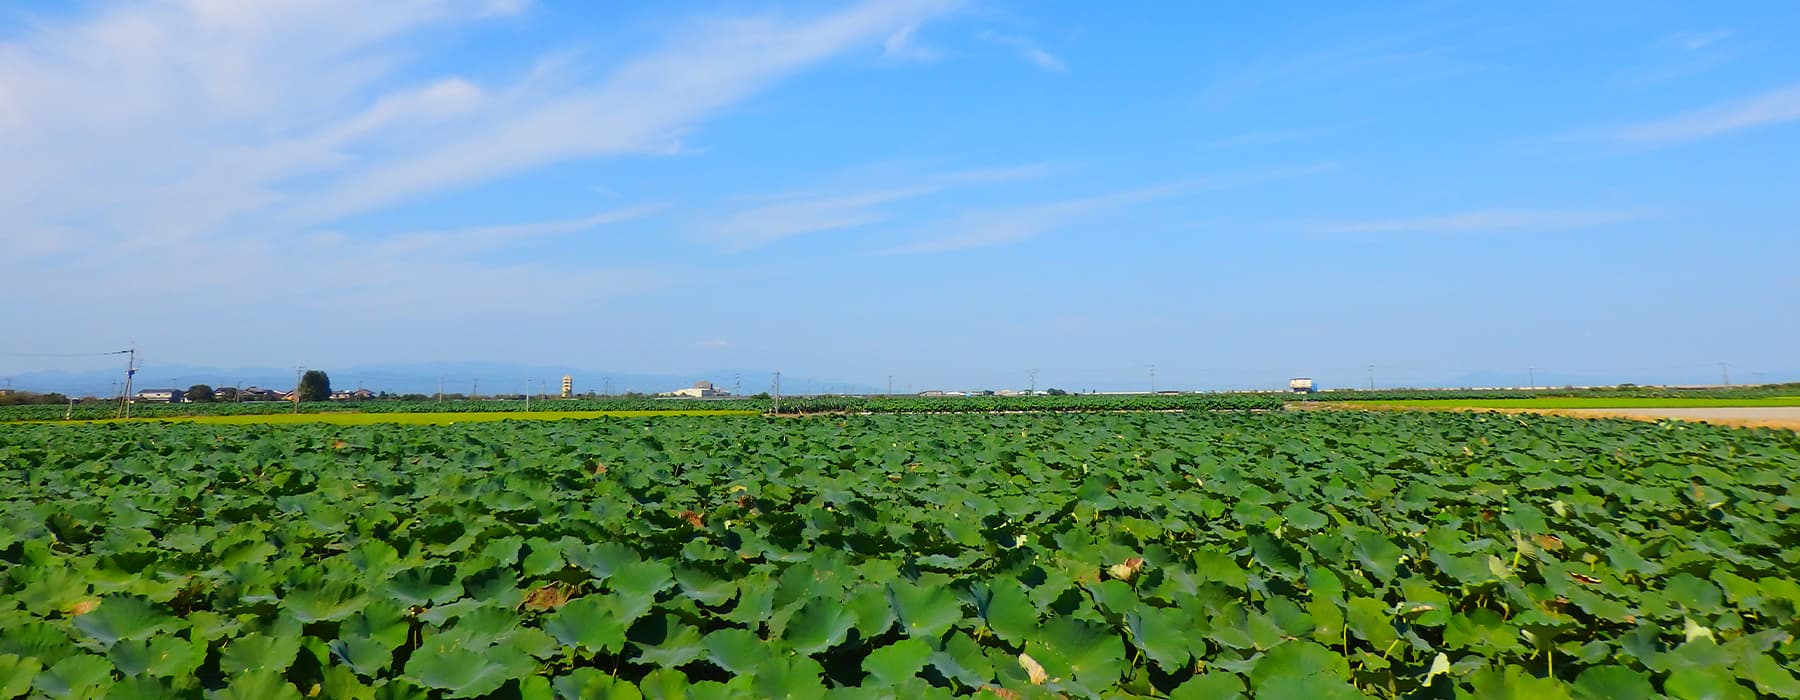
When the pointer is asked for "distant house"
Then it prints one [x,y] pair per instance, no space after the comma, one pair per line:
[358,395]
[700,390]
[160,396]
[260,394]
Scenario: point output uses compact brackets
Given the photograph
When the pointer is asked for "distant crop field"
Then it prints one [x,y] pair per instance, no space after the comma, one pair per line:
[407,418]
[1588,402]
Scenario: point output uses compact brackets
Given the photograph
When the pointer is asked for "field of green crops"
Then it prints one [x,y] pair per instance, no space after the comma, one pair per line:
[1311,555]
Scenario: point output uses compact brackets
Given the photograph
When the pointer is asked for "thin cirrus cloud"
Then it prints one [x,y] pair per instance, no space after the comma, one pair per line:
[787,217]
[1773,107]
[1485,221]
[477,239]
[1027,49]
[1007,225]
[162,133]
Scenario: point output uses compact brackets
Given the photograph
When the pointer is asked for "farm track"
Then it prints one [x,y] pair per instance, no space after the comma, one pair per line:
[1780,417]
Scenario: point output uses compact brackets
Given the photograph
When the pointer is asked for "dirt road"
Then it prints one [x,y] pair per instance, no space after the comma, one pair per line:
[1762,417]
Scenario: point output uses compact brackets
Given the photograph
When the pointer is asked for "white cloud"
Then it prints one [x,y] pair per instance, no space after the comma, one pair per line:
[1028,50]
[1001,226]
[787,217]
[1483,221]
[481,238]
[904,45]
[1773,107]
[1695,41]
[214,134]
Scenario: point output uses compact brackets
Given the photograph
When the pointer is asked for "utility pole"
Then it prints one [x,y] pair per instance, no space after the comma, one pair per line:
[777,391]
[299,376]
[527,395]
[130,372]
[475,389]
[890,385]
[1153,378]
[608,386]
[737,384]
[1725,373]
[1033,374]
[1371,377]
[1533,375]
[440,398]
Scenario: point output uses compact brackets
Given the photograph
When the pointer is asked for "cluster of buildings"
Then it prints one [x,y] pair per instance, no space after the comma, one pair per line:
[244,395]
[700,390]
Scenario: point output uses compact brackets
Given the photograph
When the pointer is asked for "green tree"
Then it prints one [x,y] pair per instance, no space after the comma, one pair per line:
[315,386]
[200,393]
[225,393]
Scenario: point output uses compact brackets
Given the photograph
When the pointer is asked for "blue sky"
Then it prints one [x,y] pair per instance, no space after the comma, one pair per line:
[947,191]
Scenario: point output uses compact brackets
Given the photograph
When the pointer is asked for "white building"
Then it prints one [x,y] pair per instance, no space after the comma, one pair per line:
[700,390]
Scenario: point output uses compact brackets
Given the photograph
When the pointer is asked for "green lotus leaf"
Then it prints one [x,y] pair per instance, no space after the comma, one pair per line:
[1006,609]
[736,650]
[79,676]
[591,684]
[1377,554]
[819,625]
[424,586]
[1310,686]
[1220,568]
[1769,676]
[636,585]
[792,677]
[1081,651]
[1161,634]
[162,656]
[704,588]
[663,640]
[1694,593]
[331,602]
[362,654]
[603,559]
[341,682]
[259,685]
[123,617]
[874,616]
[897,662]
[259,652]
[141,688]
[1609,682]
[380,621]
[463,671]
[1216,685]
[593,623]
[924,611]
[1514,683]
[16,674]
[665,684]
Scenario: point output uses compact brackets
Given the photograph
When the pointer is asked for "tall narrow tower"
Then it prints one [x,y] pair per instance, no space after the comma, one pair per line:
[568,387]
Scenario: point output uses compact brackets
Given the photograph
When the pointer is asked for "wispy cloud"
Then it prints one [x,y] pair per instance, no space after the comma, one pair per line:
[787,217]
[155,134]
[1485,221]
[904,45]
[1027,49]
[1001,226]
[1695,41]
[475,239]
[1773,107]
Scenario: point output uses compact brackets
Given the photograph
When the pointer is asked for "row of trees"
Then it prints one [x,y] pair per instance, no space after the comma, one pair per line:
[315,385]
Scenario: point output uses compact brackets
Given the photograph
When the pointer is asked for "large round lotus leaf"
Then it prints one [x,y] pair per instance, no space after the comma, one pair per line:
[423,586]
[897,662]
[736,650]
[123,617]
[333,601]
[591,684]
[164,656]
[819,625]
[664,640]
[259,685]
[792,677]
[16,674]
[362,654]
[463,672]
[80,676]
[924,611]
[259,652]
[1216,685]
[591,622]
[1608,682]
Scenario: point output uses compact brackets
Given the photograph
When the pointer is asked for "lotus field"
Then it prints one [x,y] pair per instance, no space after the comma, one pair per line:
[1312,555]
